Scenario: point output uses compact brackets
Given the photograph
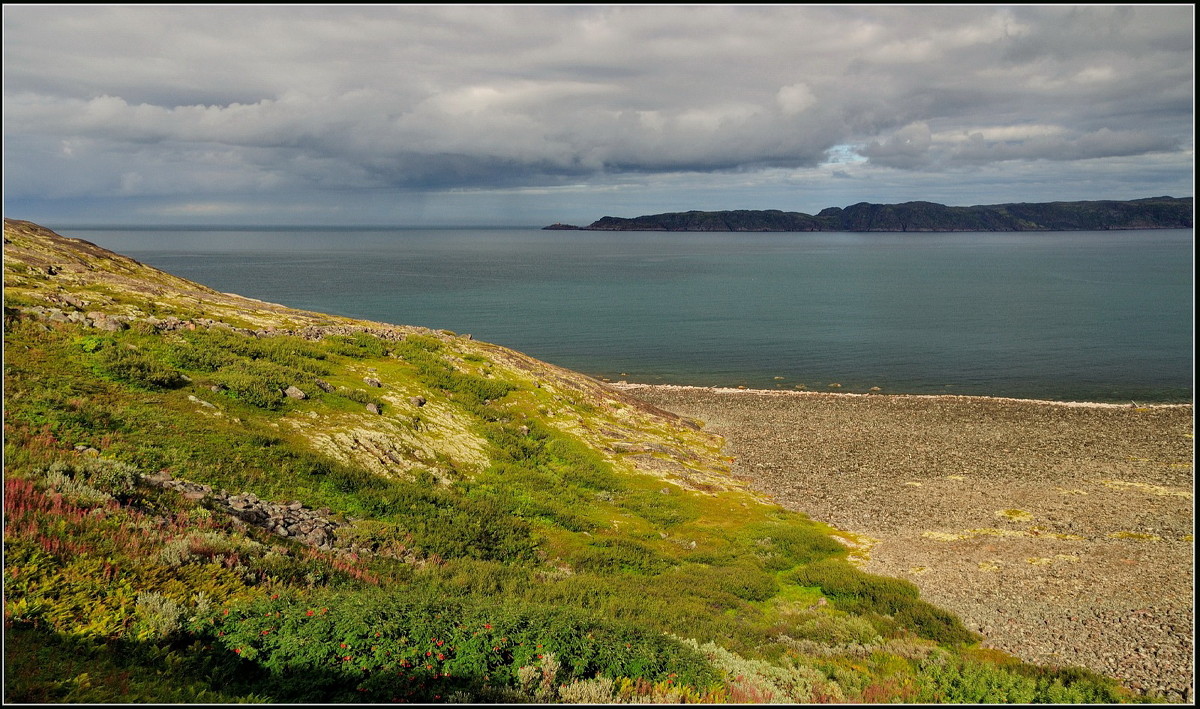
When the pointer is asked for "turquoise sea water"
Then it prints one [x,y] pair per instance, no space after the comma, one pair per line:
[1101,316]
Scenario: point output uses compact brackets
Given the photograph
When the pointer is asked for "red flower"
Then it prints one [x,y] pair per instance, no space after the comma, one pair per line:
[441,656]
[488,626]
[309,612]
[238,650]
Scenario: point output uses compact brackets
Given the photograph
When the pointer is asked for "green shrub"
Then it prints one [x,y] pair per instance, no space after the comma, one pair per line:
[756,681]
[855,591]
[199,358]
[359,345]
[361,397]
[383,646]
[434,371]
[103,477]
[794,542]
[658,509]
[452,527]
[620,556]
[157,616]
[253,390]
[137,368]
[947,679]
[260,383]
[830,629]
[746,581]
[94,343]
[1072,685]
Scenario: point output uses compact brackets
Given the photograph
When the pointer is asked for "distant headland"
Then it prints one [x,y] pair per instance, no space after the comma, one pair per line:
[1149,213]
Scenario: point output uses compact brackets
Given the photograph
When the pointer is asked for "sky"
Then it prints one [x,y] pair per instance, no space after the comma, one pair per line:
[525,115]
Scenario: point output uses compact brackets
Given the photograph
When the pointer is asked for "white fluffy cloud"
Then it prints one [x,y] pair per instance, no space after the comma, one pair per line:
[273,101]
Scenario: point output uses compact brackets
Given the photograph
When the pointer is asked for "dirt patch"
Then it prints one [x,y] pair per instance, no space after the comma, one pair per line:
[1061,532]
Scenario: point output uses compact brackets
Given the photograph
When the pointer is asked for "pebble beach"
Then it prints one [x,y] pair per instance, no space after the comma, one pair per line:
[1062,532]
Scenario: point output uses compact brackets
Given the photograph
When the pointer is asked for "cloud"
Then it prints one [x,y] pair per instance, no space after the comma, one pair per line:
[276,100]
[907,147]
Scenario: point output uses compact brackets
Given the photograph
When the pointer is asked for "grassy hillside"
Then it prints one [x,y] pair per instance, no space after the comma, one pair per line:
[213,499]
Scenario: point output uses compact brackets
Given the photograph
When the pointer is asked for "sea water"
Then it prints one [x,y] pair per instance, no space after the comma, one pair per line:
[1099,316]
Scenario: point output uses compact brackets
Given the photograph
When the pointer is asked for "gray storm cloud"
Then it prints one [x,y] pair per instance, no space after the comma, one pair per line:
[209,99]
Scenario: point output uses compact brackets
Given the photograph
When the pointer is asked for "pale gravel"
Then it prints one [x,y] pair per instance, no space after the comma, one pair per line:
[1100,574]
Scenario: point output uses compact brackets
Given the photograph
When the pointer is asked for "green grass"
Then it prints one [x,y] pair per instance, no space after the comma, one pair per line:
[549,561]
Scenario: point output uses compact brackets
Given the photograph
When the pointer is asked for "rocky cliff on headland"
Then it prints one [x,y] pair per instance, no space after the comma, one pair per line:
[1150,213]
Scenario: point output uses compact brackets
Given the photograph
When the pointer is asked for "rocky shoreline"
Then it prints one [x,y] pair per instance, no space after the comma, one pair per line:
[1060,531]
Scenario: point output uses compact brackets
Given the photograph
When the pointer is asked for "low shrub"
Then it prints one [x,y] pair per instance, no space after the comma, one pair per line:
[360,345]
[382,646]
[620,556]
[137,368]
[198,358]
[855,591]
[794,542]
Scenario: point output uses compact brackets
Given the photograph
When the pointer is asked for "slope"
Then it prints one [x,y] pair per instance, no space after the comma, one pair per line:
[211,498]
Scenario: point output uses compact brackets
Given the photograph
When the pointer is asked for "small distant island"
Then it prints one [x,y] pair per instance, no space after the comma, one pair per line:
[1149,213]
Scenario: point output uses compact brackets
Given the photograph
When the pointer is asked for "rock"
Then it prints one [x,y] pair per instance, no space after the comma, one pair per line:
[323,385]
[202,402]
[371,381]
[295,393]
[417,401]
[104,321]
[373,408]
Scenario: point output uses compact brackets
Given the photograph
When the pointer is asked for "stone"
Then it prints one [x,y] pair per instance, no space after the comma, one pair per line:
[417,401]
[373,408]
[295,393]
[202,402]
[371,381]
